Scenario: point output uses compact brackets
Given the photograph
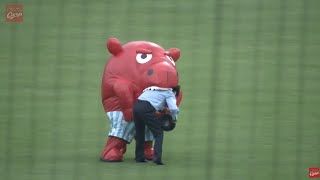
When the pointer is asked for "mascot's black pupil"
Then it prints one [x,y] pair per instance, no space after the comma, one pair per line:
[143,56]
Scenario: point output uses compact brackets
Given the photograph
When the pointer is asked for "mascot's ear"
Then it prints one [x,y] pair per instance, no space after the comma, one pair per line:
[174,53]
[114,46]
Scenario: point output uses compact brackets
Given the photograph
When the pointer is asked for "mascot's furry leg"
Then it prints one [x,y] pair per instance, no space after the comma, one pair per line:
[121,133]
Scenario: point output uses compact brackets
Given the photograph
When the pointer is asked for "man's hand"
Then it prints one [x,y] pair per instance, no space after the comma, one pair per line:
[166,110]
[159,114]
[175,118]
[163,112]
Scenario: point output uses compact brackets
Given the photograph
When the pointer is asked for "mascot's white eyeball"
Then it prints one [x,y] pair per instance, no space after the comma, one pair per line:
[143,58]
[171,60]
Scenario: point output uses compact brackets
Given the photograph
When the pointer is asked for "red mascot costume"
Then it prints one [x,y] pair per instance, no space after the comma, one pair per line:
[130,69]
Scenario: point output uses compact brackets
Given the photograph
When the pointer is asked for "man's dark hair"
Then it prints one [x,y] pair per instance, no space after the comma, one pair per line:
[176,90]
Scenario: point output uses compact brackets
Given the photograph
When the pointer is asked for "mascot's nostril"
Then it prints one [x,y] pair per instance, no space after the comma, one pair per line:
[150,72]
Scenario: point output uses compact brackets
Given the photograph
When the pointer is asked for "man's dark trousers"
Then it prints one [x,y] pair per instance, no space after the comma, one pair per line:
[144,114]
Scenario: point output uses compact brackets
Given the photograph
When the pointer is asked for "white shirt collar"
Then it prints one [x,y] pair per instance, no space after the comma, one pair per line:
[153,88]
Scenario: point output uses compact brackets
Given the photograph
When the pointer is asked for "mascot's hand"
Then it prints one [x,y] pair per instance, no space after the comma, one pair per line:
[128,115]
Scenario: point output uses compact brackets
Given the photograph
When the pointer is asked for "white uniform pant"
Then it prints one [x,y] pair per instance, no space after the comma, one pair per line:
[123,129]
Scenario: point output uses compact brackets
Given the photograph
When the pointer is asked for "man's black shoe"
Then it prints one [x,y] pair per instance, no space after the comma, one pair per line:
[158,162]
[141,161]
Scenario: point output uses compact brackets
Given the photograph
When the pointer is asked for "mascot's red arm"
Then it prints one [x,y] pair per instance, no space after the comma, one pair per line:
[125,92]
[122,88]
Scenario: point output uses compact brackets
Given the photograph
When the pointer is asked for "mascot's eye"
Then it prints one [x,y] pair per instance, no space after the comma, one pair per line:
[143,58]
[171,60]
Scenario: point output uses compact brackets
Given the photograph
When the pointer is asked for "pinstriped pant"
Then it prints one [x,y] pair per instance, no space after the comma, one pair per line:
[123,129]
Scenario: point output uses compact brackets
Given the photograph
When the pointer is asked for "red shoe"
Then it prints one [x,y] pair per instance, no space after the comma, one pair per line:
[112,151]
[148,150]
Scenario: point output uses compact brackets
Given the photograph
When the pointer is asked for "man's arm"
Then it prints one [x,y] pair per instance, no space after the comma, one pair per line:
[172,105]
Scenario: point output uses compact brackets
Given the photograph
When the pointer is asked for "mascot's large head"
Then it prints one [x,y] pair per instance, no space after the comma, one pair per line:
[143,63]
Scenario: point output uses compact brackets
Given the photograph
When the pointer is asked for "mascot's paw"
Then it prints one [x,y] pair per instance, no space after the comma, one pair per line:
[114,155]
[148,150]
[148,153]
[114,150]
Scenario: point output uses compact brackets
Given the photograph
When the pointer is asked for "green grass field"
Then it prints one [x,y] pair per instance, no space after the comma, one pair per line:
[249,69]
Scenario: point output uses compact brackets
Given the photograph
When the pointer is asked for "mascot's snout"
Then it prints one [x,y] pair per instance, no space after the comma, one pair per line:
[163,75]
